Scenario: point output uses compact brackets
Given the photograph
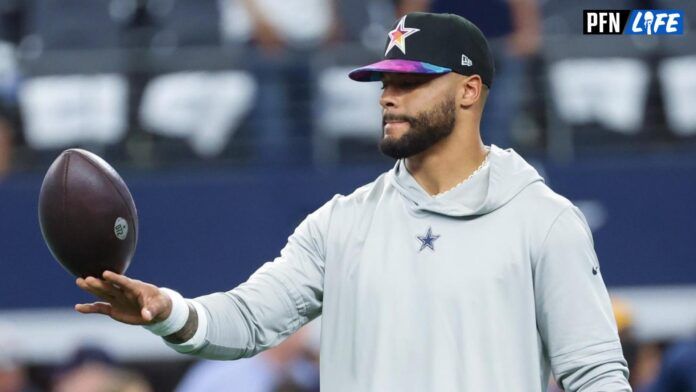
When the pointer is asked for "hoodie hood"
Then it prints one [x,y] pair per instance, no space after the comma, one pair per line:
[504,176]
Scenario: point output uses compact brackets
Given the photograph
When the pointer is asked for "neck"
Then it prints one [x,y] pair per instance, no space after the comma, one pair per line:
[447,163]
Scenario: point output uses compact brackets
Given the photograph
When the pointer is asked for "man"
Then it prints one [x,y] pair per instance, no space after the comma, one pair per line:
[678,371]
[457,270]
[291,366]
[14,374]
[91,369]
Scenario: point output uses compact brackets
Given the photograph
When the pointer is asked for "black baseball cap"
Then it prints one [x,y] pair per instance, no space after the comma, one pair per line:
[428,43]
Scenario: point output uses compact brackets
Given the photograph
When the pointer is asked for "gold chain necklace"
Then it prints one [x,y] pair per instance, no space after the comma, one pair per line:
[478,169]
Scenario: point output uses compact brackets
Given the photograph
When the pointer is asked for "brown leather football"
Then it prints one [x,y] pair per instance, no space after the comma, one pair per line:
[87,215]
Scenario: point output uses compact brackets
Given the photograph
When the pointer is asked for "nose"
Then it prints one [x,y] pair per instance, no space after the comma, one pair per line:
[388,98]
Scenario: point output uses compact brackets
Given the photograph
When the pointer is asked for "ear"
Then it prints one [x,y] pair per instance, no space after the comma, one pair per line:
[470,91]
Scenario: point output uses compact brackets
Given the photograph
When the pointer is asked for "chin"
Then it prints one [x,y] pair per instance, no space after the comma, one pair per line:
[394,135]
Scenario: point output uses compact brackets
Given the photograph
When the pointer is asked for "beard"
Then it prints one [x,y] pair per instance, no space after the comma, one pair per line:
[425,130]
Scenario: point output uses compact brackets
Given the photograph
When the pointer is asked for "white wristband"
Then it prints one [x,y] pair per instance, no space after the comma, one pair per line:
[177,318]
[198,340]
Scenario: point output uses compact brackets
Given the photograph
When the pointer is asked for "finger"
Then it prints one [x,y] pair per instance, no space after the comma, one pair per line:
[129,288]
[95,307]
[120,280]
[82,283]
[102,289]
[105,286]
[109,286]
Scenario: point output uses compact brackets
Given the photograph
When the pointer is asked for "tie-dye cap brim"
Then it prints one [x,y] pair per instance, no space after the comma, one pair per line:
[435,44]
[373,72]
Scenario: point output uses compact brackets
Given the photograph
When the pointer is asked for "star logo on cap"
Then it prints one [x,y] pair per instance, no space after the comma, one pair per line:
[397,37]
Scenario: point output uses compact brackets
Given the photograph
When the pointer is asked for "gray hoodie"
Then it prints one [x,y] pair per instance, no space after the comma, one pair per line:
[486,287]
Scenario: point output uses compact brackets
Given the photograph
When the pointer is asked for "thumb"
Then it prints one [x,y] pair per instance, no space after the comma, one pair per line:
[156,308]
[146,314]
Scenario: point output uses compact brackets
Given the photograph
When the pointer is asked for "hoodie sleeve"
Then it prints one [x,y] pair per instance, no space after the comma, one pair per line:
[274,302]
[574,314]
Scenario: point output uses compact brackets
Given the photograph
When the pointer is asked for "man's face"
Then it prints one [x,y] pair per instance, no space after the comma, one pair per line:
[417,112]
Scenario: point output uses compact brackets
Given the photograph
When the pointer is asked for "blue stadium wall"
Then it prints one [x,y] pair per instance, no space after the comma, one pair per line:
[207,230]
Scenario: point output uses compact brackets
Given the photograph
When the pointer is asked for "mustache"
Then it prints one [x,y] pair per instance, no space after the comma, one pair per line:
[397,117]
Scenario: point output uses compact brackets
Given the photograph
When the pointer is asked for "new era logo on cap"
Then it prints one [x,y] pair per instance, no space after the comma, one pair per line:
[437,44]
[466,61]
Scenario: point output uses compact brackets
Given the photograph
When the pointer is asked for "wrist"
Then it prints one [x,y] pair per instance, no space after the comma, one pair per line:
[193,335]
[188,330]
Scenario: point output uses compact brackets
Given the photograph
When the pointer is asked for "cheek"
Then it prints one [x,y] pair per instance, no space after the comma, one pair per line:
[423,101]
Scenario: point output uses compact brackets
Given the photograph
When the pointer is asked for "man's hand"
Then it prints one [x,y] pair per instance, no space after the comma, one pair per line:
[126,300]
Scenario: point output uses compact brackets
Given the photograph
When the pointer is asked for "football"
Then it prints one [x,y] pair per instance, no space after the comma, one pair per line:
[87,215]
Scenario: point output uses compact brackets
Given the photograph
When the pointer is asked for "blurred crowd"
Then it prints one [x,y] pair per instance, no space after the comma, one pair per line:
[293,366]
[264,81]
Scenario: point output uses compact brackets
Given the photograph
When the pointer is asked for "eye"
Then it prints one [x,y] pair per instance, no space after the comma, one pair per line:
[402,84]
[409,84]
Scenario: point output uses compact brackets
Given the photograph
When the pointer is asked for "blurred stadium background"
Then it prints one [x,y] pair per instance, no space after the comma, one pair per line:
[230,120]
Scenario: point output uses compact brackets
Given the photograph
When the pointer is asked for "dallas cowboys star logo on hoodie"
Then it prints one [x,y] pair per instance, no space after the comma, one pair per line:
[428,240]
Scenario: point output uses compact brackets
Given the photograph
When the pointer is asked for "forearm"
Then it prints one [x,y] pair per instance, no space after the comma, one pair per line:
[188,330]
[253,317]
[220,337]
[605,377]
[226,334]
[574,314]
